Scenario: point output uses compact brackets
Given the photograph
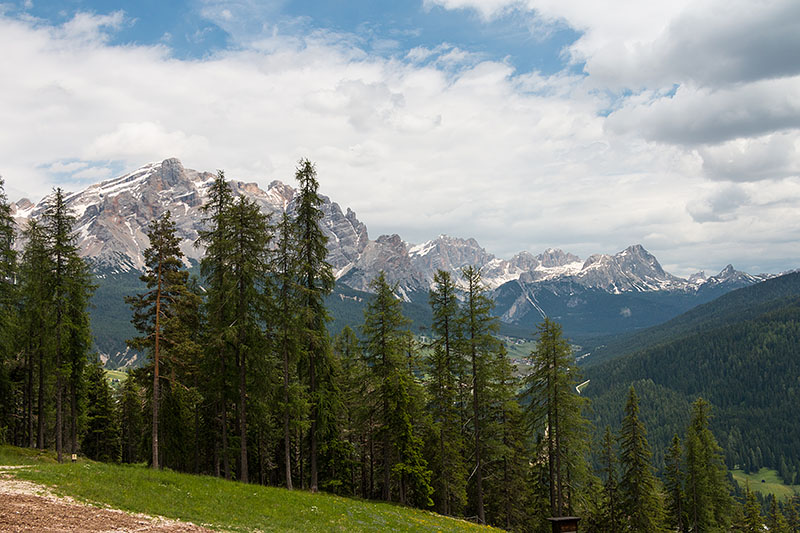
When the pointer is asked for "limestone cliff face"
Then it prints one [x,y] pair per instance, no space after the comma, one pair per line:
[113,216]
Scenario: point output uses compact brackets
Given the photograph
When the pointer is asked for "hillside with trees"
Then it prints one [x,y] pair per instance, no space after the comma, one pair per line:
[244,380]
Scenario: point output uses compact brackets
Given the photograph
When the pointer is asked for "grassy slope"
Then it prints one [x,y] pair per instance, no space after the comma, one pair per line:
[772,483]
[218,503]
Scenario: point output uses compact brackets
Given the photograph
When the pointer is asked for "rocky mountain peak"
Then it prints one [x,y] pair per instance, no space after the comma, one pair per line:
[553,257]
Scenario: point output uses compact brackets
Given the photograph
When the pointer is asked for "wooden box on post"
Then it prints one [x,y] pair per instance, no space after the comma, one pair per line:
[565,524]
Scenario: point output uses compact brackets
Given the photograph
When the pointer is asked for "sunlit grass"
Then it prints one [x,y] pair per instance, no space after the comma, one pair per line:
[222,504]
[766,481]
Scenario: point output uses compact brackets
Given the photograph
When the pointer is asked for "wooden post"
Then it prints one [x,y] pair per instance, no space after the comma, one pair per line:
[565,524]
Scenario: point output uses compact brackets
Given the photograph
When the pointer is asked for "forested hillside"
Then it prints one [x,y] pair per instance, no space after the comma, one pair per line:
[730,308]
[742,356]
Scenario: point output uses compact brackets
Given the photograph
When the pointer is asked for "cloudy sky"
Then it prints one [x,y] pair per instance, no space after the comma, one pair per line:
[526,124]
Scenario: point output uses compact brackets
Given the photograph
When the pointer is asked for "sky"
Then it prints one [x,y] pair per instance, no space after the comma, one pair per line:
[526,124]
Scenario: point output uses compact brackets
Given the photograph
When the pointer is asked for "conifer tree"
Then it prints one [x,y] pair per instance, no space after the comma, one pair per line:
[508,467]
[131,406]
[249,270]
[101,439]
[776,522]
[792,516]
[611,516]
[157,309]
[79,291]
[479,344]
[36,316]
[218,307]
[752,512]
[385,340]
[708,499]
[285,324]
[639,500]
[356,406]
[8,319]
[555,405]
[673,485]
[59,223]
[316,281]
[445,364]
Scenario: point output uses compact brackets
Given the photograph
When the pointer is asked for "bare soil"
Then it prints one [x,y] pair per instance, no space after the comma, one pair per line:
[26,507]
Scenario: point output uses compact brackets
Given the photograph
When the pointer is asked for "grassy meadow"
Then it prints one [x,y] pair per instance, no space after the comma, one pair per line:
[766,481]
[220,504]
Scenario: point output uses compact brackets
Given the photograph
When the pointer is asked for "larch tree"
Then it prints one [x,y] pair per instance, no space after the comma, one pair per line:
[638,488]
[158,308]
[315,283]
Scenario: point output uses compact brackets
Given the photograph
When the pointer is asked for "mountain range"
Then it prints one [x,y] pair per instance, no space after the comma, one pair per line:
[602,294]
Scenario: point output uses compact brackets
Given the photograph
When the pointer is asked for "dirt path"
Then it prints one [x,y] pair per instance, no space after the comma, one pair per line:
[26,507]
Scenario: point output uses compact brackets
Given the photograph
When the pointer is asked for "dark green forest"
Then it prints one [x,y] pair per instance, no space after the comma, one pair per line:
[745,364]
[246,377]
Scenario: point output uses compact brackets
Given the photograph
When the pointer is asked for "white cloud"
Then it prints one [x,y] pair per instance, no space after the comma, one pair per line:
[418,146]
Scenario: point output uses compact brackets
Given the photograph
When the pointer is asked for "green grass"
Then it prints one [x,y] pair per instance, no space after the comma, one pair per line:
[221,504]
[119,375]
[772,484]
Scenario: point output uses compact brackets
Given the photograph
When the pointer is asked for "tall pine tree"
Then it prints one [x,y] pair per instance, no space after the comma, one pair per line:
[445,365]
[158,308]
[315,283]
[638,487]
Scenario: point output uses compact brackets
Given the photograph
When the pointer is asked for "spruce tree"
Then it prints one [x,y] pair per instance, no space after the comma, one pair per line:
[708,499]
[215,236]
[36,317]
[445,365]
[508,466]
[479,327]
[101,439]
[752,512]
[249,270]
[776,522]
[79,337]
[58,222]
[315,283]
[356,407]
[673,485]
[285,325]
[385,341]
[130,408]
[8,321]
[638,488]
[610,509]
[555,407]
[158,308]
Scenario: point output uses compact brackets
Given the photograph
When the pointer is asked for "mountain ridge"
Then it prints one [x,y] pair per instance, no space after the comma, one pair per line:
[604,293]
